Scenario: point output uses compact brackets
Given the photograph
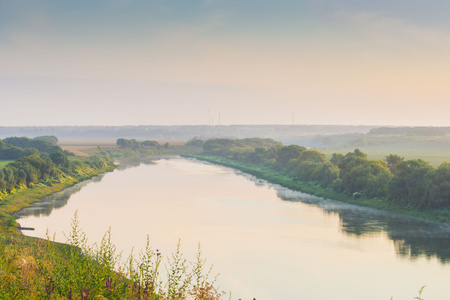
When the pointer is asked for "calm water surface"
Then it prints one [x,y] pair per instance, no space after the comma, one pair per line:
[266,242]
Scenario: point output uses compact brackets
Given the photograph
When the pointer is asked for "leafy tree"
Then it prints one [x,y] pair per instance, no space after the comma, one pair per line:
[408,186]
[286,153]
[60,159]
[261,155]
[337,158]
[40,145]
[437,184]
[328,175]
[313,156]
[195,142]
[122,143]
[362,175]
[150,143]
[392,161]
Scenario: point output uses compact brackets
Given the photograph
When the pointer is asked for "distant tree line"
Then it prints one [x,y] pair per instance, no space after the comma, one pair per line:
[136,145]
[411,131]
[36,162]
[408,183]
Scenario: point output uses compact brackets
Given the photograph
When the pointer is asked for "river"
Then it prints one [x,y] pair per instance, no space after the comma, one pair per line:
[267,242]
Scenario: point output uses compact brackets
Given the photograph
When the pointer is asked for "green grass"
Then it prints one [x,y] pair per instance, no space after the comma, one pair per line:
[412,151]
[33,268]
[3,163]
[433,150]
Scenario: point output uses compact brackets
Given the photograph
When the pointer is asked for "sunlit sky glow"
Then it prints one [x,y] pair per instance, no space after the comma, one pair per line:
[163,62]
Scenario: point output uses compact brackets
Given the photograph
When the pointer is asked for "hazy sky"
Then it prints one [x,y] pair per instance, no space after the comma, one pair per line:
[164,62]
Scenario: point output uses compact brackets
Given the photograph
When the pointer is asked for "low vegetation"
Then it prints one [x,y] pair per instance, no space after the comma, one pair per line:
[42,269]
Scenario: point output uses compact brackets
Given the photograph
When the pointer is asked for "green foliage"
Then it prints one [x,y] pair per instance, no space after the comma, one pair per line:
[408,186]
[3,163]
[49,138]
[39,170]
[237,148]
[132,144]
[195,142]
[38,144]
[150,143]
[392,161]
[8,152]
[287,153]
[39,269]
[60,159]
[41,167]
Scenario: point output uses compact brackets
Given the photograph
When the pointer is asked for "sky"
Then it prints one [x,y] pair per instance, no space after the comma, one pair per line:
[223,62]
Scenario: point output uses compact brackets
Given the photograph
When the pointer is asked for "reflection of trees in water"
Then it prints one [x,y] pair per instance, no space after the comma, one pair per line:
[56,200]
[412,237]
[135,162]
[60,199]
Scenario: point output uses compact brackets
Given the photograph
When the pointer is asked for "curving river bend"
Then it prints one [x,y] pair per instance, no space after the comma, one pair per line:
[266,241]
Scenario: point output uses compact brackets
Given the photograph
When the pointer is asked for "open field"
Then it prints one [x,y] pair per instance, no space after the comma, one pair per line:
[84,147]
[3,163]
[433,152]
[435,149]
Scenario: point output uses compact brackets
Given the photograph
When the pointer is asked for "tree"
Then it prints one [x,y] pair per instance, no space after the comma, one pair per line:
[150,143]
[313,156]
[337,158]
[408,186]
[392,161]
[437,184]
[286,153]
[60,159]
[195,142]
[122,143]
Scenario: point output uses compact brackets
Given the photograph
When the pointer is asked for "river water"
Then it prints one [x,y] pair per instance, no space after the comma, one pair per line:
[267,242]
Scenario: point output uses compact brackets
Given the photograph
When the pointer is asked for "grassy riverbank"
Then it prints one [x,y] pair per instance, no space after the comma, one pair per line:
[33,268]
[275,177]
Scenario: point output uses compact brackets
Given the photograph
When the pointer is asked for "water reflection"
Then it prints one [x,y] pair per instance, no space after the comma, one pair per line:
[55,200]
[268,242]
[127,163]
[60,199]
[412,237]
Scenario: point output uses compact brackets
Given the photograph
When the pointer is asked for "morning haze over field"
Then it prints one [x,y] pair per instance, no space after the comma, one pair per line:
[301,146]
[125,62]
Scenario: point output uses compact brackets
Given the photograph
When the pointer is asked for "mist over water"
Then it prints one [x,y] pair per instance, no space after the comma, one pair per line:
[266,241]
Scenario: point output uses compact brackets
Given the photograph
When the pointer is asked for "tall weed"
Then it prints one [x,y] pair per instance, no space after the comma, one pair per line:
[39,269]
